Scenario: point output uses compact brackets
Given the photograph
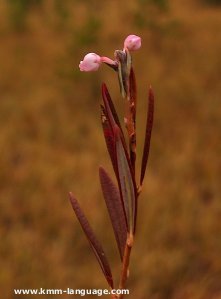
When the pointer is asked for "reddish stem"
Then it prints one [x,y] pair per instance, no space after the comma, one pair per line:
[125,264]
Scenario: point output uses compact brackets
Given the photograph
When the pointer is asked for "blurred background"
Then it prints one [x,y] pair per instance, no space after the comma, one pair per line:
[51,143]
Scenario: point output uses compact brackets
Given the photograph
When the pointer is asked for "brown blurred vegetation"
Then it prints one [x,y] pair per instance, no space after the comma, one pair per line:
[51,142]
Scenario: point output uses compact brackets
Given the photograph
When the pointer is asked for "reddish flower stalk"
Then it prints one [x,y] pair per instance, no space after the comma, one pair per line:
[121,200]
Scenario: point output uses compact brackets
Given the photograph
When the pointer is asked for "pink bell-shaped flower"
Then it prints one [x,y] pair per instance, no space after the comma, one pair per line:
[132,42]
[90,63]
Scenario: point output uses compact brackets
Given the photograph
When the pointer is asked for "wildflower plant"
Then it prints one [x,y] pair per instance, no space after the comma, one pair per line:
[121,199]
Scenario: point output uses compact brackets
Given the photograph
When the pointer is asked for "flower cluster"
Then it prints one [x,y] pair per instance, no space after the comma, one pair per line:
[92,61]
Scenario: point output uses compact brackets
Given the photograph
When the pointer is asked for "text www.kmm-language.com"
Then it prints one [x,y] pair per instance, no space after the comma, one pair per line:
[68,291]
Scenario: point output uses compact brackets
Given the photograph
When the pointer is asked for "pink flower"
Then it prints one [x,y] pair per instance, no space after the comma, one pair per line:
[90,63]
[132,42]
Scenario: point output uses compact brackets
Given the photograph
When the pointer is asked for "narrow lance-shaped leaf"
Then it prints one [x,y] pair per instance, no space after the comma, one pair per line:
[108,102]
[110,121]
[111,111]
[111,124]
[149,126]
[115,209]
[109,138]
[110,115]
[94,243]
[127,184]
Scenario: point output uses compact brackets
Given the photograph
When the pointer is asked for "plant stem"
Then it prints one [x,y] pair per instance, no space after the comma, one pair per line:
[130,125]
[125,264]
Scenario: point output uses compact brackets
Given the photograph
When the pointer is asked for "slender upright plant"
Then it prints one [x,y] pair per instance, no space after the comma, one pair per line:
[121,199]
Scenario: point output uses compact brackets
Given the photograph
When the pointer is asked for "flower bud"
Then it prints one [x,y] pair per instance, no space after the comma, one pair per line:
[90,63]
[132,42]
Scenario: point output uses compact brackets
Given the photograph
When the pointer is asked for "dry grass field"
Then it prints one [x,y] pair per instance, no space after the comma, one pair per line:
[51,143]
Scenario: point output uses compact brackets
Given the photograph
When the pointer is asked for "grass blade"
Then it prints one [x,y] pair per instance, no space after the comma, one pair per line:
[149,126]
[115,209]
[94,243]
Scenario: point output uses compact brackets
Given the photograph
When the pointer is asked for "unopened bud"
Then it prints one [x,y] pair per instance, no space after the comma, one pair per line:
[90,63]
[132,42]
